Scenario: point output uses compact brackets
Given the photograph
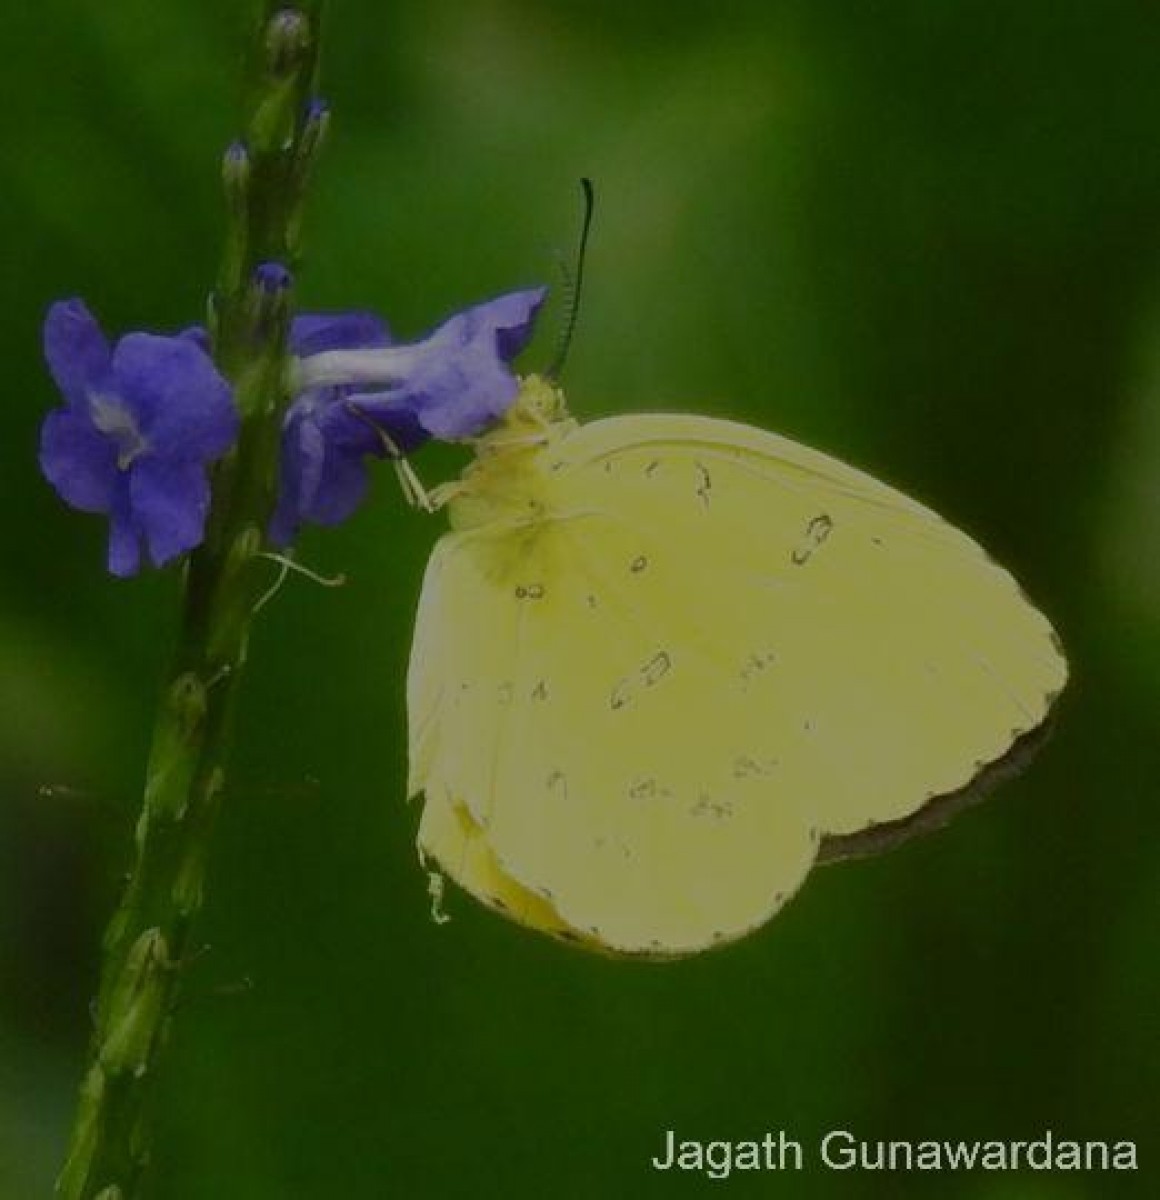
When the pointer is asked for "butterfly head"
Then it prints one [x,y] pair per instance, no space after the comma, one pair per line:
[509,477]
[537,416]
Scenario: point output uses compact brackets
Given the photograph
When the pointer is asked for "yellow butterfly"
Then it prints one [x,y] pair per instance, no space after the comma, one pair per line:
[663,664]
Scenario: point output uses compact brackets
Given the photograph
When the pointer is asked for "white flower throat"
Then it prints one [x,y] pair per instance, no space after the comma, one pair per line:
[113,418]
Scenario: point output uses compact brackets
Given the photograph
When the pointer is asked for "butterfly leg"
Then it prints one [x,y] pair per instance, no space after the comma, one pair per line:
[412,488]
[416,494]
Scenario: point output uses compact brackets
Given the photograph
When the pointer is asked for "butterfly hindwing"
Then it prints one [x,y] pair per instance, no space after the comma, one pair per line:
[612,791]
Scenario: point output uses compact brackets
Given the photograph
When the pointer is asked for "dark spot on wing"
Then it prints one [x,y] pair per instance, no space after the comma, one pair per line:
[656,668]
[745,767]
[649,674]
[757,662]
[819,528]
[648,788]
[708,805]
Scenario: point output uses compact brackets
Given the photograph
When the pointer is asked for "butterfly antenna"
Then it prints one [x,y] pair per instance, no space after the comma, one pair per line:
[568,281]
[573,283]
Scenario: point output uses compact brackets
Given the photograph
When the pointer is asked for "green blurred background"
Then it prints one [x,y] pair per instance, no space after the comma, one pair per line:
[920,234]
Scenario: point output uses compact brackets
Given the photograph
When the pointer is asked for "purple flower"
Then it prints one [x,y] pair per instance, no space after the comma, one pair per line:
[140,423]
[359,396]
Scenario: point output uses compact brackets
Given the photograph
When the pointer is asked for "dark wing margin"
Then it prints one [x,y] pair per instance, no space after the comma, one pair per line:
[939,810]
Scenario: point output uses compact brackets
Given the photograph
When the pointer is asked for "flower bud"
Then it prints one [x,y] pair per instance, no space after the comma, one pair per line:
[288,36]
[236,171]
[271,279]
[315,124]
[268,298]
[135,1010]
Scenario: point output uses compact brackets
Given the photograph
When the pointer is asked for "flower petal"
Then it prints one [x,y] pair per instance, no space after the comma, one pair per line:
[321,481]
[299,471]
[315,332]
[461,383]
[510,318]
[286,519]
[77,460]
[170,500]
[197,334]
[458,394]
[76,350]
[307,449]
[340,490]
[124,536]
[372,423]
[184,407]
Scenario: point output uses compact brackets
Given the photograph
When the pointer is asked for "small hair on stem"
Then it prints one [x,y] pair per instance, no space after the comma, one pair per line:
[286,565]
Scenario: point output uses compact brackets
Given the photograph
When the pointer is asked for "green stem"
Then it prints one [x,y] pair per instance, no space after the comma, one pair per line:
[148,939]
